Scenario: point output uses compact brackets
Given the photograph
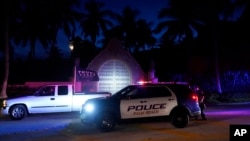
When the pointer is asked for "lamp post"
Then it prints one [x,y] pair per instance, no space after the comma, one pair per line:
[76,58]
[71,47]
[74,46]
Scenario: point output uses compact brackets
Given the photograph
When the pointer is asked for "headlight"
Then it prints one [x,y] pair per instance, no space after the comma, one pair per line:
[89,107]
[5,103]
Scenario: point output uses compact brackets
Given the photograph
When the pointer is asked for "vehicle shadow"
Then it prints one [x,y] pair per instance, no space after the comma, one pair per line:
[5,118]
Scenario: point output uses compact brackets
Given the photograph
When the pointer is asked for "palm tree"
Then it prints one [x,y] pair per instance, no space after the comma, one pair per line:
[3,94]
[135,34]
[114,32]
[179,25]
[95,20]
[27,22]
[55,54]
[186,16]
[180,21]
[9,19]
[214,12]
[32,27]
[144,35]
[40,22]
[64,17]
[244,21]
[127,23]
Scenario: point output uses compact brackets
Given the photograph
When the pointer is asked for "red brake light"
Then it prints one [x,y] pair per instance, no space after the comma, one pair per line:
[195,97]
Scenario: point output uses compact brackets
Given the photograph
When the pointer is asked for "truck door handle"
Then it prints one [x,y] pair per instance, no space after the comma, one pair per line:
[52,98]
[170,99]
[143,101]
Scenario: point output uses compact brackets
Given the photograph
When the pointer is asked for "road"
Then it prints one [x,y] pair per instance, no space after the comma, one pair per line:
[67,127]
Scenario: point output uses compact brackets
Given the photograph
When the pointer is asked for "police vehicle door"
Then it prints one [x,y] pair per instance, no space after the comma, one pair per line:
[146,102]
[162,99]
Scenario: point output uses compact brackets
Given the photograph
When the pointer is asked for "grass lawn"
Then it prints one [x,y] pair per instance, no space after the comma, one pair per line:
[228,97]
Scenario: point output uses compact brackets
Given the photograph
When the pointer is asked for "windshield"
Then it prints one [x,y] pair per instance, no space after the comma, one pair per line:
[123,92]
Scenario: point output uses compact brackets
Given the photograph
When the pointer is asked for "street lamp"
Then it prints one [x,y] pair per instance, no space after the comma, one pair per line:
[74,46]
[71,47]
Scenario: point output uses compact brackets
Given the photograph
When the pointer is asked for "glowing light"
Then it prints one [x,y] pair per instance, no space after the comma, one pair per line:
[150,82]
[5,103]
[195,97]
[143,82]
[89,107]
[71,47]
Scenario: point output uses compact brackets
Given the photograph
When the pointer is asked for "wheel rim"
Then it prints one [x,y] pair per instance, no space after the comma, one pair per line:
[180,120]
[18,112]
[107,122]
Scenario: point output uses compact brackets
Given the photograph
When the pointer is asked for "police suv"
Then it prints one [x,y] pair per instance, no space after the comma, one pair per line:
[175,100]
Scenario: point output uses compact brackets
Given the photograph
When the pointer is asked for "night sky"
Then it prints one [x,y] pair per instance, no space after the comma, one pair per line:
[148,10]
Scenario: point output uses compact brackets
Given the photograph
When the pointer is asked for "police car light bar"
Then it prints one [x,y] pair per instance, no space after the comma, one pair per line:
[150,82]
[144,82]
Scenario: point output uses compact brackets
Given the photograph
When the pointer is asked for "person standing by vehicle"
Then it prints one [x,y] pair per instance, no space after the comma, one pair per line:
[202,105]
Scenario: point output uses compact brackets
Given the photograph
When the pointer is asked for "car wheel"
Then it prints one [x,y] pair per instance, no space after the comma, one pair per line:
[180,120]
[18,112]
[106,122]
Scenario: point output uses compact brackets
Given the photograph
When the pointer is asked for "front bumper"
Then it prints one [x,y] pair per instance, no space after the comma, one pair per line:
[87,119]
[4,111]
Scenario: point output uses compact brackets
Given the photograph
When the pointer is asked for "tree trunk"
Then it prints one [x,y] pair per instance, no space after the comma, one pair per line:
[3,94]
[216,55]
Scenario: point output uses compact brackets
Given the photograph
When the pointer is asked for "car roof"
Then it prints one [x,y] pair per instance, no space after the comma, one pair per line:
[180,88]
[157,83]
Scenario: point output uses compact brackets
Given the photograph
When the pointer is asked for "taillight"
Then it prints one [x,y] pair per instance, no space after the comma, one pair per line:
[195,97]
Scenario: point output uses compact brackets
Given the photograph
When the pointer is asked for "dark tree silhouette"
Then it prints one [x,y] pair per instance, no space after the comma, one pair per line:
[135,34]
[30,22]
[144,35]
[214,12]
[63,18]
[9,14]
[184,19]
[41,20]
[95,20]
[127,23]
[55,54]
[181,21]
[244,21]
[179,25]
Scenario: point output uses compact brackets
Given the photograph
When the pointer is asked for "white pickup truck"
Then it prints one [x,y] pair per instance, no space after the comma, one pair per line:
[48,99]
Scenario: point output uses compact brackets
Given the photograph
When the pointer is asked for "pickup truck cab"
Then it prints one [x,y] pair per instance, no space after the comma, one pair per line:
[48,99]
[177,101]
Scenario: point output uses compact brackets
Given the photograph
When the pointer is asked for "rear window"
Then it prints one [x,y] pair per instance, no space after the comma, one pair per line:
[182,90]
[156,91]
[62,90]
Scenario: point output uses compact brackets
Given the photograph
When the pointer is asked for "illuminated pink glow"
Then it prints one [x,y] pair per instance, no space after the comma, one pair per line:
[231,112]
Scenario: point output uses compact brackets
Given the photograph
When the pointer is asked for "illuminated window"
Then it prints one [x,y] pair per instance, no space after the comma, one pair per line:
[113,76]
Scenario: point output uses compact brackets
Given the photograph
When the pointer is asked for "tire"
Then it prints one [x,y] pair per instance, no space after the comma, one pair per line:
[106,122]
[18,112]
[180,120]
